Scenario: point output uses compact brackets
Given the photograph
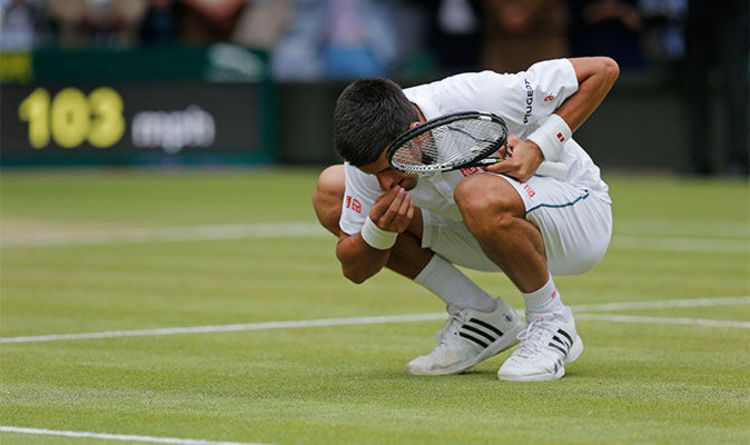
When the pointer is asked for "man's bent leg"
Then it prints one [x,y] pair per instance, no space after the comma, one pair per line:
[495,214]
[328,196]
[466,339]
[407,258]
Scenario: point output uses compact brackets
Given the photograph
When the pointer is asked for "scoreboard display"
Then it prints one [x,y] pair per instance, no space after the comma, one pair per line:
[133,123]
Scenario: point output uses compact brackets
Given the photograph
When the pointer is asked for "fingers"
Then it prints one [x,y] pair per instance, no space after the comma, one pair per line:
[394,218]
[511,168]
[506,166]
[513,141]
[514,168]
[382,202]
[398,213]
[523,161]
[404,205]
[503,152]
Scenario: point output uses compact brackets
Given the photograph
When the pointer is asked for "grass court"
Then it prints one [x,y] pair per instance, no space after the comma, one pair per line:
[100,268]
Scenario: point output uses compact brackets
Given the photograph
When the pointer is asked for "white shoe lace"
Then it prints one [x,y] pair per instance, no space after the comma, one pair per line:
[532,339]
[444,334]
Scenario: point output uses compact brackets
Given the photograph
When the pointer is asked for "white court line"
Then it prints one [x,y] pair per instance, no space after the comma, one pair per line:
[691,302]
[118,437]
[301,229]
[662,304]
[701,322]
[229,328]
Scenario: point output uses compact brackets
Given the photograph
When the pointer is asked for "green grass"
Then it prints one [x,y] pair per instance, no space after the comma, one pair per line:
[636,383]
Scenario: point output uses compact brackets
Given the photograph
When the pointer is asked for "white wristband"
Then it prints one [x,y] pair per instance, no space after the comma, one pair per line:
[551,137]
[377,237]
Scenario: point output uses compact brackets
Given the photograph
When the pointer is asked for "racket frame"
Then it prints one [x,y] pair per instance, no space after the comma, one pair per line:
[480,158]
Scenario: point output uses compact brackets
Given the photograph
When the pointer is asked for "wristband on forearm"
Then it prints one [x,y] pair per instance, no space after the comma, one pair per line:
[376,237]
[551,137]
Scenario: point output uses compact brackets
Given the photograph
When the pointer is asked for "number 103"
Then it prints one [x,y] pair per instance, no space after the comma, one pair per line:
[71,118]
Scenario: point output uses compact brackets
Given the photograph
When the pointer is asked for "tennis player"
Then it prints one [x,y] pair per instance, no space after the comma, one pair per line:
[500,218]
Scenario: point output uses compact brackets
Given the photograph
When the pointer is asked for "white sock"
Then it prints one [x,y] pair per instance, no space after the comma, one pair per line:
[453,287]
[543,301]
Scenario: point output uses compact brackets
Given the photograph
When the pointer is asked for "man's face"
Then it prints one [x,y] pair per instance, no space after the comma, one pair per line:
[388,176]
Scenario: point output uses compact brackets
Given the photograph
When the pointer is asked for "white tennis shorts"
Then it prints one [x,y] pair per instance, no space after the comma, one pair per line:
[576,225]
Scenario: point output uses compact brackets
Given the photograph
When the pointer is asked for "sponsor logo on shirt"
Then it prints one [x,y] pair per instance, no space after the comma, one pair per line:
[529,100]
[353,203]
[468,171]
[549,98]
[529,191]
[561,138]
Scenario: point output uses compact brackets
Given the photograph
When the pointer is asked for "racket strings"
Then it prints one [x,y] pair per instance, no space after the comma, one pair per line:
[452,143]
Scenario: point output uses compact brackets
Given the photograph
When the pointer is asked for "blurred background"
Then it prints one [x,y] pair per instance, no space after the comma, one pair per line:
[253,82]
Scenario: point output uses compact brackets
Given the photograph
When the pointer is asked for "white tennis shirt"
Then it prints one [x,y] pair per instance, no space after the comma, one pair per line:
[523,99]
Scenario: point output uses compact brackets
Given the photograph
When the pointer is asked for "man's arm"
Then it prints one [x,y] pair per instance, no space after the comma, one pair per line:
[358,260]
[595,76]
[391,215]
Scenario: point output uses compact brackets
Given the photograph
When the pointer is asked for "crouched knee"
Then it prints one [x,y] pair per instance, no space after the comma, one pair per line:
[487,202]
[327,197]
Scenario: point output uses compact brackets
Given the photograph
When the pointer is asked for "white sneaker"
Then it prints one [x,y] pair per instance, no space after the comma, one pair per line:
[467,338]
[547,345]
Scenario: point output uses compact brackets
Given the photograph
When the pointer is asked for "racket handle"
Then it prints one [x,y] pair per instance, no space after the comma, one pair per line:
[557,170]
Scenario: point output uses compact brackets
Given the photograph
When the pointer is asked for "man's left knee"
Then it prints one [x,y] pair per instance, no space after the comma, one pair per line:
[327,197]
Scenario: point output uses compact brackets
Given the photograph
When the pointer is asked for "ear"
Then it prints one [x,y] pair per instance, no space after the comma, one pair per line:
[414,125]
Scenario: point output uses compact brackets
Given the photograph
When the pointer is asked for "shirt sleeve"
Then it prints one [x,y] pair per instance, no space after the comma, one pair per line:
[523,99]
[359,197]
[552,82]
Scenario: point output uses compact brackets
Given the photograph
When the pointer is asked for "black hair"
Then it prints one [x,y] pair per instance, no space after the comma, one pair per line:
[370,113]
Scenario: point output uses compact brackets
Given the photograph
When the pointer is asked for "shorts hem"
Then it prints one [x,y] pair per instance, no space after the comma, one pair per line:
[585,195]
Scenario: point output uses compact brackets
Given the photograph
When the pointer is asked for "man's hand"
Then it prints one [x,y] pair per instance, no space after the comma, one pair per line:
[525,158]
[393,210]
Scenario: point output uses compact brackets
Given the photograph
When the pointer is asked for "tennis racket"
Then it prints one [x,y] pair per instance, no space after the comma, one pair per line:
[454,141]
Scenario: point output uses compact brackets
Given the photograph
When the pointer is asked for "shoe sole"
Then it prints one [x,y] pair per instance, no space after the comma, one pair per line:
[508,340]
[575,351]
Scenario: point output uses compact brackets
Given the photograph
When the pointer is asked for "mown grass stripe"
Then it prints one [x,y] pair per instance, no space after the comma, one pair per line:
[292,229]
[680,244]
[302,229]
